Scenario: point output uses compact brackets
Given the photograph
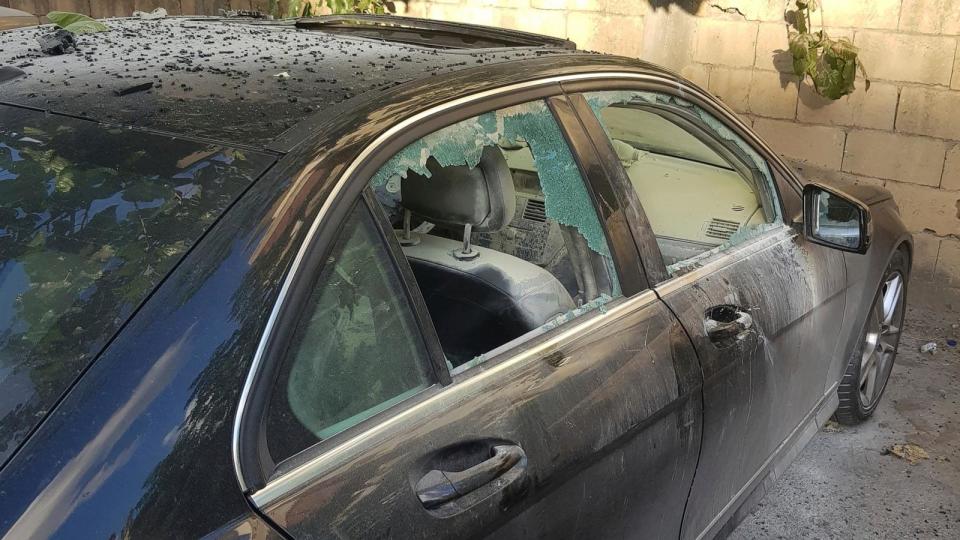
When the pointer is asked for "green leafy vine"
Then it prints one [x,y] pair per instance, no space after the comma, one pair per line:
[831,64]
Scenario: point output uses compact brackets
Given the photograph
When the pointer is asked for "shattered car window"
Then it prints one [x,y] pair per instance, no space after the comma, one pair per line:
[499,229]
[703,188]
[91,219]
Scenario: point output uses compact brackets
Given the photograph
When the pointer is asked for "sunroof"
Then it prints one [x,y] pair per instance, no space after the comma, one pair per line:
[429,33]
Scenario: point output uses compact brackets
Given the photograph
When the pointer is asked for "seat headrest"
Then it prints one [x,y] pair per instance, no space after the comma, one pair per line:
[457,195]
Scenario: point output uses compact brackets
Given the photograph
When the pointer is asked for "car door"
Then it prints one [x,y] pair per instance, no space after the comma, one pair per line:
[586,426]
[762,305]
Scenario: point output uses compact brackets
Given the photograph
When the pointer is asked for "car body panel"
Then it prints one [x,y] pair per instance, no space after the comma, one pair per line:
[759,389]
[569,400]
[142,441]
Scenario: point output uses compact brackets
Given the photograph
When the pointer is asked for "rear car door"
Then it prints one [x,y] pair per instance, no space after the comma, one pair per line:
[395,396]
[762,305]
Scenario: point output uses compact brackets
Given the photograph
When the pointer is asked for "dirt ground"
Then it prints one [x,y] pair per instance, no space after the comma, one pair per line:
[846,483]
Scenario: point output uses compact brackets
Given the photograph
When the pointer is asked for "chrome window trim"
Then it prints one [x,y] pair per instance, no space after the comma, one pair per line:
[300,475]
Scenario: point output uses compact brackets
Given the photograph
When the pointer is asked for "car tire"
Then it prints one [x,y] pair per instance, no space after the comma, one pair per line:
[871,363]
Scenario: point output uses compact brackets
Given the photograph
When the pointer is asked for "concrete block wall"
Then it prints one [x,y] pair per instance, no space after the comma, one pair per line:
[904,133]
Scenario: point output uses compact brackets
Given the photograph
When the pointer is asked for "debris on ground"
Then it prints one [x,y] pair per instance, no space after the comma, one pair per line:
[907,451]
[832,427]
[951,343]
[158,13]
[283,75]
[9,73]
[930,347]
[133,89]
[57,42]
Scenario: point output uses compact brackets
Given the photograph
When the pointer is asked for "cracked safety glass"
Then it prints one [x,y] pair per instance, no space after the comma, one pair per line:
[702,187]
[497,224]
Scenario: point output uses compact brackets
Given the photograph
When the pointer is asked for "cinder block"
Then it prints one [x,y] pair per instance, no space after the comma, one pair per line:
[907,57]
[773,94]
[698,74]
[467,14]
[882,14]
[616,34]
[927,208]
[818,146]
[76,6]
[732,86]
[772,53]
[926,111]
[549,4]
[926,247]
[948,263]
[113,8]
[874,108]
[725,43]
[930,16]
[636,8]
[28,6]
[904,158]
[538,21]
[172,6]
[955,77]
[951,170]
[751,10]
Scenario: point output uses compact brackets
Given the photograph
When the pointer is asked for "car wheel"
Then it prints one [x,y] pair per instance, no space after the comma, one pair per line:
[872,361]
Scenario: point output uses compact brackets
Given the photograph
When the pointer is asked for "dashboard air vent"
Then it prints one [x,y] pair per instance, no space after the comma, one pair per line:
[534,210]
[721,229]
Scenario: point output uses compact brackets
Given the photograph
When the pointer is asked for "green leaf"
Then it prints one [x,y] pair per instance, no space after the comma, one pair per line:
[76,22]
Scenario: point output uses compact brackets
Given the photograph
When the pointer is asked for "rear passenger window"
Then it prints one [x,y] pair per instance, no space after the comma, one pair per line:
[702,187]
[356,351]
[499,229]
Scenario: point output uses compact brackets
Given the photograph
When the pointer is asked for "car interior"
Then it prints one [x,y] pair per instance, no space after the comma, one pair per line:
[490,263]
[695,194]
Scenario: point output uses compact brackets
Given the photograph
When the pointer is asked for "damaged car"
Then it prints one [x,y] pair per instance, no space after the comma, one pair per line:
[356,277]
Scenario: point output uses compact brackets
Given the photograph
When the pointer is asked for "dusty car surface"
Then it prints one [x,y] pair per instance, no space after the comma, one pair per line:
[383,277]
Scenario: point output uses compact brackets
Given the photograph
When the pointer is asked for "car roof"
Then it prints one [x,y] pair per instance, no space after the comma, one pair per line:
[233,80]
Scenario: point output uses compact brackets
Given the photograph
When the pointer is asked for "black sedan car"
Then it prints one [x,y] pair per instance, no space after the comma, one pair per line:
[381,277]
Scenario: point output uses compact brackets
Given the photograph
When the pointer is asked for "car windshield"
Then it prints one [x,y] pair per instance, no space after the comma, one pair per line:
[91,219]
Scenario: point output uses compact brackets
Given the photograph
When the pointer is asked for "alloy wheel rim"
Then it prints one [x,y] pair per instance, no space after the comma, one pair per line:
[880,343]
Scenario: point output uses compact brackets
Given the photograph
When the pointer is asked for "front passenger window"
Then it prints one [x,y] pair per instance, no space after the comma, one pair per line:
[702,187]
[499,229]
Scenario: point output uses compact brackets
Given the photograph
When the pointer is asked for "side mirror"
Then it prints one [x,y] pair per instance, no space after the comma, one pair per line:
[834,219]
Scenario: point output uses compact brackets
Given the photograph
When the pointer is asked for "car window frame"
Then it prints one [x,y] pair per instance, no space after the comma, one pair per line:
[785,185]
[252,464]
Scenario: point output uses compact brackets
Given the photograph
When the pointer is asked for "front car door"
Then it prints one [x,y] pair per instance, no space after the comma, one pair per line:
[762,305]
[393,395]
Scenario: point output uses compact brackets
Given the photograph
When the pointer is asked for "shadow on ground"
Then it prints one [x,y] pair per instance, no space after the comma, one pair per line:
[844,485]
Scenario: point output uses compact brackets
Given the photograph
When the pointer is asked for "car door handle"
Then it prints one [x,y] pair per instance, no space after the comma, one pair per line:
[726,324]
[439,487]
